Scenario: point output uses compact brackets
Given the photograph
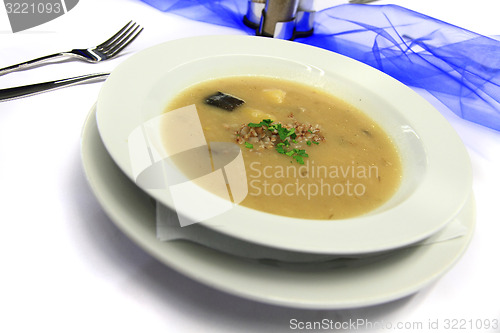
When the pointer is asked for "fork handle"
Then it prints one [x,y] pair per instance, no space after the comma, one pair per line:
[31,63]
[33,89]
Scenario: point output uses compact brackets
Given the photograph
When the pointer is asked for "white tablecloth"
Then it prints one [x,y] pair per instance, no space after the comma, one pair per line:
[65,267]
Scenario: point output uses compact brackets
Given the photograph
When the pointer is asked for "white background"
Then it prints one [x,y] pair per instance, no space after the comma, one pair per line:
[65,267]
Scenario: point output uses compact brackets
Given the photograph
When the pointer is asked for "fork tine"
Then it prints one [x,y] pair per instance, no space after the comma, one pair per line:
[115,36]
[118,39]
[115,49]
[123,36]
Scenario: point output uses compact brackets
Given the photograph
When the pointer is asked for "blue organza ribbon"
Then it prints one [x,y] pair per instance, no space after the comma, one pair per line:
[459,67]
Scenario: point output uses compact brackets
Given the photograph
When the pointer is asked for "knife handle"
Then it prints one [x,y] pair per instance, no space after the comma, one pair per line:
[33,89]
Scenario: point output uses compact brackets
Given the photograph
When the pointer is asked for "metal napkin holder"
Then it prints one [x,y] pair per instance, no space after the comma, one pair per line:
[283,19]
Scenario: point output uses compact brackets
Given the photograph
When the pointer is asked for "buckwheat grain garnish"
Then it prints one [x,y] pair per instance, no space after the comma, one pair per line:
[286,139]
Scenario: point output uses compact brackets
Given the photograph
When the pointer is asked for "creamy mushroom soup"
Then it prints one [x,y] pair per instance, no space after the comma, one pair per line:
[307,154]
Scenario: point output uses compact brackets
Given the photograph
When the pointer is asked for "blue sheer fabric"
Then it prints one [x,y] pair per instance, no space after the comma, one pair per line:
[227,13]
[459,67]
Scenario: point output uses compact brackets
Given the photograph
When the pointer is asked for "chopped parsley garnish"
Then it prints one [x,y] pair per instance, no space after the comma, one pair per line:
[265,122]
[286,135]
[299,154]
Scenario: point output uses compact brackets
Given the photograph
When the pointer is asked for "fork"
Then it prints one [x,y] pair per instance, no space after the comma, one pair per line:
[103,51]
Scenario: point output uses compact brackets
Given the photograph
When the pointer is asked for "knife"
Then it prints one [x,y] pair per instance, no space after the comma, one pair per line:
[33,89]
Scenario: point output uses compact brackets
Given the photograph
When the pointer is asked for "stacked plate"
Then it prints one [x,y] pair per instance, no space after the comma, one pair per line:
[387,254]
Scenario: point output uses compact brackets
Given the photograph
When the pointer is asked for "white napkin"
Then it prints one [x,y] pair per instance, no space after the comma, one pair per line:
[168,229]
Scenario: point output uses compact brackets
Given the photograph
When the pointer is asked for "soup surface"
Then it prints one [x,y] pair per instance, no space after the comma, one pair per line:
[307,154]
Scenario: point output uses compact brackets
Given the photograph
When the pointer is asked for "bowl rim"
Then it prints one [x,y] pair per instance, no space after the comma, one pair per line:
[448,170]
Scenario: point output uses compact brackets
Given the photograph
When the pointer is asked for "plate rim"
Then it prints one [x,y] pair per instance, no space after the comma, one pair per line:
[242,226]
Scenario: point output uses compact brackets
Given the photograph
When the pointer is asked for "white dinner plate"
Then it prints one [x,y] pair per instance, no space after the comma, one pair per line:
[437,177]
[340,284]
